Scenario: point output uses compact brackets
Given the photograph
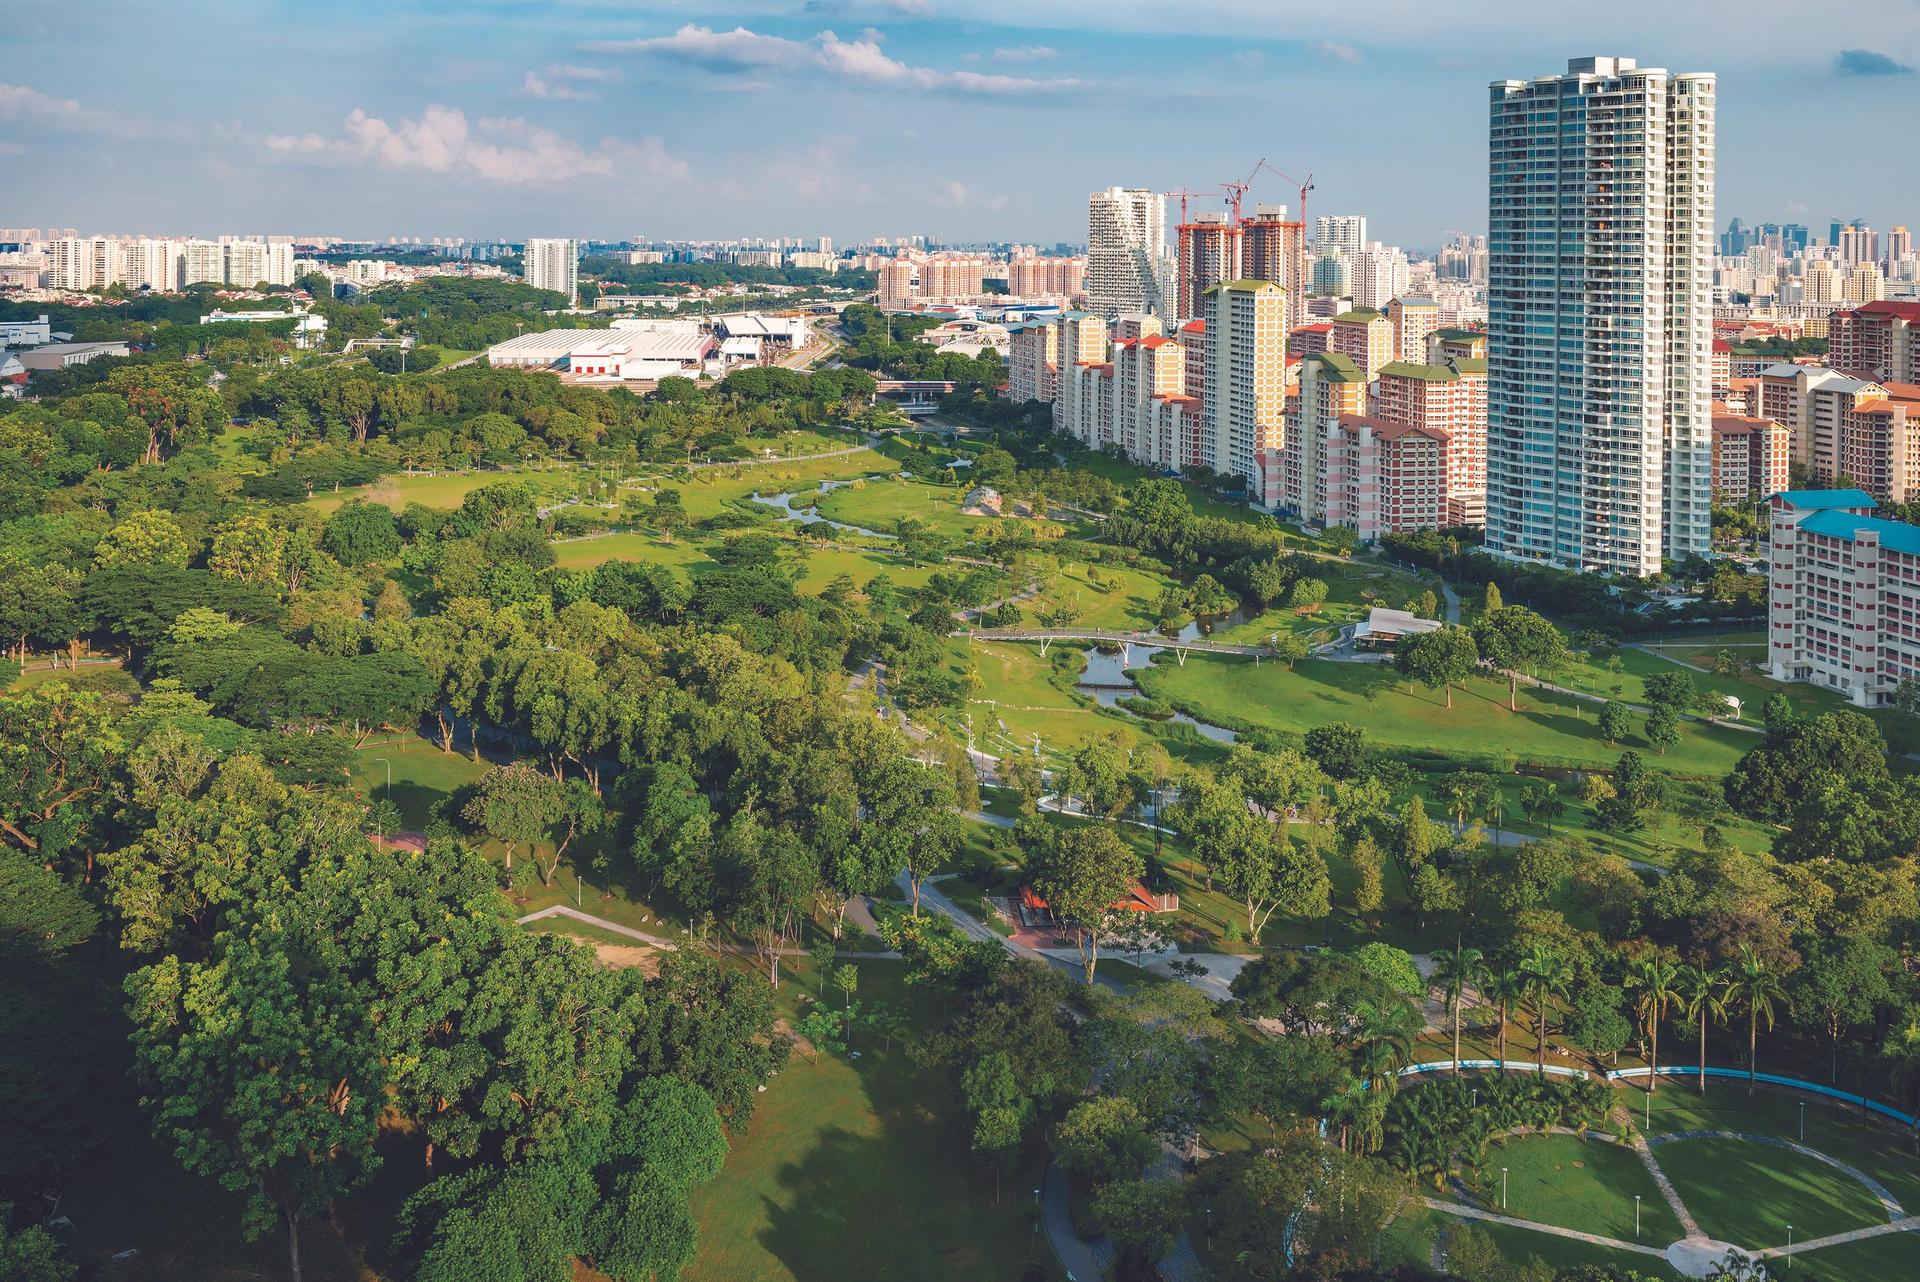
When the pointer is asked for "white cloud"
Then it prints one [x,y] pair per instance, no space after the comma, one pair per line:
[12,149]
[23,102]
[1338,52]
[1249,59]
[493,149]
[1025,53]
[538,86]
[954,193]
[815,173]
[860,61]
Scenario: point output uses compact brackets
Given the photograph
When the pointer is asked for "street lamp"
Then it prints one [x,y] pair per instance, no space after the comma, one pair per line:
[1503,1188]
[1789,1248]
[1803,1121]
[1636,1217]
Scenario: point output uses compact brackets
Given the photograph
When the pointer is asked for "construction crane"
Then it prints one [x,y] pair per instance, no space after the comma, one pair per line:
[1299,282]
[1184,196]
[1237,190]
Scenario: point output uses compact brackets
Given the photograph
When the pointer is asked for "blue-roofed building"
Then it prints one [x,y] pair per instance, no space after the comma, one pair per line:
[1843,601]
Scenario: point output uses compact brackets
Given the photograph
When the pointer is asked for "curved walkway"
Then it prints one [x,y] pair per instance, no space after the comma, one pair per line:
[1110,637]
[1466,1212]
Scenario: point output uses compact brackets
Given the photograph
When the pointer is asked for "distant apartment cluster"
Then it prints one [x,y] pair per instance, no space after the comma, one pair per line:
[1378,424]
[81,263]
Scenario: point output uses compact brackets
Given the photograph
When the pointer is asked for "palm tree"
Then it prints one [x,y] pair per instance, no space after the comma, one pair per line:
[1343,1107]
[1655,976]
[1503,986]
[1756,988]
[1454,969]
[1545,974]
[1703,997]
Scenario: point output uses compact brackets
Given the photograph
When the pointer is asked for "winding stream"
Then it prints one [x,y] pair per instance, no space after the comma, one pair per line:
[1106,678]
[807,516]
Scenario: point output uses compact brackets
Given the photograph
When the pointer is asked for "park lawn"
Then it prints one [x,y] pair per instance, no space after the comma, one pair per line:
[442,489]
[1560,1253]
[1593,675]
[1891,1255]
[711,490]
[1879,1146]
[1665,830]
[883,503]
[1747,1193]
[423,776]
[1586,1185]
[825,563]
[1548,730]
[1121,598]
[1022,695]
[858,1168]
[584,554]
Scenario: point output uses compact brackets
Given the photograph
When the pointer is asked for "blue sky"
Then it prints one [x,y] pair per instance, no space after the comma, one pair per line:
[853,118]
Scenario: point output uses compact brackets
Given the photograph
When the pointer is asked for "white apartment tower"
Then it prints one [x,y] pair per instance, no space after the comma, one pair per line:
[1127,268]
[554,265]
[1245,401]
[1600,294]
[1344,232]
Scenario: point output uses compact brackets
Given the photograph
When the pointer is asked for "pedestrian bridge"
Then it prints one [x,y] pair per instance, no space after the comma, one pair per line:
[1126,640]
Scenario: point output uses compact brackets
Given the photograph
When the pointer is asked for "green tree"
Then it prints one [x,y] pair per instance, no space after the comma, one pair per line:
[1657,980]
[58,757]
[1614,721]
[1663,728]
[1838,989]
[1756,987]
[1001,1112]
[1702,992]
[1439,659]
[1369,891]
[259,1073]
[1104,1138]
[147,537]
[514,804]
[1082,873]
[1512,637]
[1454,971]
[1546,974]
[32,1254]
[361,533]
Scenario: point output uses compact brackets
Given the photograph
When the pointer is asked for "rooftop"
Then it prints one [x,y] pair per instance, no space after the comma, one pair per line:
[1426,373]
[1359,316]
[1340,367]
[1897,536]
[1819,500]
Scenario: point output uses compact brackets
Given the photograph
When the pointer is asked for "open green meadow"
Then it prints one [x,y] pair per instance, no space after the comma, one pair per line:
[1587,1185]
[858,1168]
[1548,730]
[1748,1193]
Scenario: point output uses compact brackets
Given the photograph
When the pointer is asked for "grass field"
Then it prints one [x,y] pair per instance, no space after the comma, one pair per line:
[858,1168]
[445,489]
[1120,597]
[1881,1148]
[1747,1194]
[1022,694]
[1559,1253]
[712,489]
[883,503]
[1548,730]
[1877,1259]
[1596,676]
[423,776]
[1588,1185]
[584,554]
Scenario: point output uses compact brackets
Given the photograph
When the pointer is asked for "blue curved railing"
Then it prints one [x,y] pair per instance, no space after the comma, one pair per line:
[1775,1079]
[1665,1070]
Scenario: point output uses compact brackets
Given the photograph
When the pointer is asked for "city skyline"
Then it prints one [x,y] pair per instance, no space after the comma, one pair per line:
[597,121]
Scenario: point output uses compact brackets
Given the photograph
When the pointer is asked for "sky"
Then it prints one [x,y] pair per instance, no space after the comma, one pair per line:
[974,120]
